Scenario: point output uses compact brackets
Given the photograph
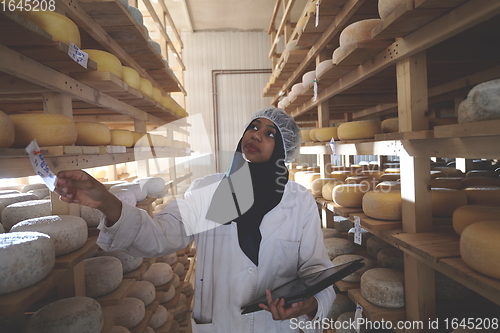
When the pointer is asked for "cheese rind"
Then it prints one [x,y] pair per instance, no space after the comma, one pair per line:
[466,215]
[140,193]
[122,138]
[383,205]
[158,274]
[486,195]
[341,304]
[74,314]
[356,276]
[349,195]
[92,134]
[326,134]
[102,275]
[20,211]
[338,246]
[445,201]
[482,103]
[390,125]
[383,287]
[386,7]
[159,317]
[25,259]
[127,314]
[68,232]
[356,32]
[129,263]
[131,77]
[375,244]
[143,290]
[363,129]
[106,62]
[60,27]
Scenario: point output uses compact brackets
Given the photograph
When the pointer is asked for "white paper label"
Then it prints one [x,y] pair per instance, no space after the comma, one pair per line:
[357,230]
[78,55]
[357,316]
[315,89]
[316,23]
[333,146]
[40,166]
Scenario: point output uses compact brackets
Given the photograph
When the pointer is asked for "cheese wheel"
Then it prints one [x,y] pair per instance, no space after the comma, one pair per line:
[445,201]
[391,258]
[6,131]
[68,232]
[110,183]
[160,141]
[383,205]
[129,263]
[119,329]
[356,32]
[308,178]
[312,134]
[296,90]
[299,175]
[122,138]
[284,102]
[487,195]
[383,287]
[73,314]
[390,176]
[479,247]
[386,7]
[106,62]
[102,275]
[326,134]
[179,311]
[9,199]
[354,130]
[317,186]
[143,290]
[92,134]
[374,245]
[170,259]
[341,304]
[338,246]
[176,280]
[345,321]
[92,216]
[47,129]
[136,15]
[131,77]
[446,182]
[305,135]
[179,269]
[466,215]
[482,103]
[323,67]
[153,185]
[356,276]
[326,190]
[169,294]
[390,125]
[308,79]
[146,87]
[481,173]
[358,179]
[365,235]
[25,259]
[349,195]
[451,172]
[41,193]
[479,182]
[4,192]
[158,274]
[128,314]
[157,95]
[342,224]
[60,27]
[20,211]
[337,55]
[330,233]
[139,193]
[159,317]
[30,187]
[340,174]
[187,289]
[155,45]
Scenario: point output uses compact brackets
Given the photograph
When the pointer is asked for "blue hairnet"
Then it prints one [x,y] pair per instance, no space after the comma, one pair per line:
[290,131]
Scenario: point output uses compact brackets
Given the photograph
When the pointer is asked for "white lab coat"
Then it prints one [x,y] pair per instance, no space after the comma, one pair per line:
[292,242]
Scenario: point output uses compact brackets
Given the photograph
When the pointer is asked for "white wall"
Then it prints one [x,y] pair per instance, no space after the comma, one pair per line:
[238,95]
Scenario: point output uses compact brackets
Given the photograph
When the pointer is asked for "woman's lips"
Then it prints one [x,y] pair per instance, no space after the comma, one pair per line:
[251,148]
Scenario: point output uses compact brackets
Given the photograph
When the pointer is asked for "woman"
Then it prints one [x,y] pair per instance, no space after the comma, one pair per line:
[254,231]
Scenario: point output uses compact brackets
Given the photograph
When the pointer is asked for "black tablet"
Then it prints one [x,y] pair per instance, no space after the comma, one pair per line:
[306,286]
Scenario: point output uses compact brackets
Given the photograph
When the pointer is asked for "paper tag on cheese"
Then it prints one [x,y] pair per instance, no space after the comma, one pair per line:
[357,315]
[316,23]
[40,166]
[357,230]
[333,146]
[78,55]
[315,89]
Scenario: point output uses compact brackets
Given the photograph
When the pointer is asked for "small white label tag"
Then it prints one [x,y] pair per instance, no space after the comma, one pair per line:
[315,89]
[357,230]
[358,315]
[333,146]
[316,23]
[78,55]
[40,166]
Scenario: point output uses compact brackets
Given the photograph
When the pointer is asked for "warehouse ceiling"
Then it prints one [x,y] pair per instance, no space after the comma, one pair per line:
[226,15]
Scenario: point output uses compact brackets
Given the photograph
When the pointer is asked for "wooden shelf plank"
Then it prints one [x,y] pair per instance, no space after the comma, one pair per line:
[432,246]
[139,272]
[376,313]
[102,81]
[109,322]
[117,296]
[345,286]
[359,52]
[173,302]
[472,129]
[19,301]
[71,259]
[405,135]
[169,325]
[374,224]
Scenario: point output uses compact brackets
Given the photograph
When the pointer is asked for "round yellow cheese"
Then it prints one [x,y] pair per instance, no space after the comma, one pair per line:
[305,135]
[47,129]
[326,134]
[357,179]
[349,195]
[450,172]
[446,182]
[157,96]
[388,185]
[372,173]
[390,176]
[60,27]
[92,134]
[146,87]
[317,186]
[383,205]
[364,129]
[481,173]
[308,179]
[308,79]
[299,175]
[437,173]
[386,7]
[356,32]
[106,62]
[445,201]
[167,102]
[312,134]
[479,247]
[486,195]
[466,215]
[392,170]
[326,190]
[479,181]
[137,136]
[122,138]
[131,77]
[6,131]
[390,125]
[337,55]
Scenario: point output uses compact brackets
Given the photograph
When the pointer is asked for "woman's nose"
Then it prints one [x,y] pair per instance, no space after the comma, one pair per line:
[257,136]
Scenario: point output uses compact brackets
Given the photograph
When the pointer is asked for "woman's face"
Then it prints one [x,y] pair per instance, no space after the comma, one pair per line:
[258,141]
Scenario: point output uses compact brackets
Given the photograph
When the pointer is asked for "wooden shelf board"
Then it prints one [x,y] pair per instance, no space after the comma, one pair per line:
[342,211]
[374,224]
[173,302]
[167,327]
[477,129]
[117,296]
[102,81]
[345,286]
[109,322]
[360,52]
[376,313]
[139,328]
[20,300]
[420,4]
[139,272]
[71,259]
[429,134]
[432,246]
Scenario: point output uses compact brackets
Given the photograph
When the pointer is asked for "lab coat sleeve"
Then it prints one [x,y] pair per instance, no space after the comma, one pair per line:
[313,256]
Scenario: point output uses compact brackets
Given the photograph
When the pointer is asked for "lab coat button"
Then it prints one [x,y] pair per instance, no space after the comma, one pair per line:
[251,270]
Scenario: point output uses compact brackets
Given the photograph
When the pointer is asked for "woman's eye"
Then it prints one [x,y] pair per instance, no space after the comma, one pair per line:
[271,134]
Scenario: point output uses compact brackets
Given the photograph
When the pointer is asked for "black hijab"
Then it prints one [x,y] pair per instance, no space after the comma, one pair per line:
[268,182]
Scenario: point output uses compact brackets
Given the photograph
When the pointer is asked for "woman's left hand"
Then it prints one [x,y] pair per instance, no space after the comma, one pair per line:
[279,312]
